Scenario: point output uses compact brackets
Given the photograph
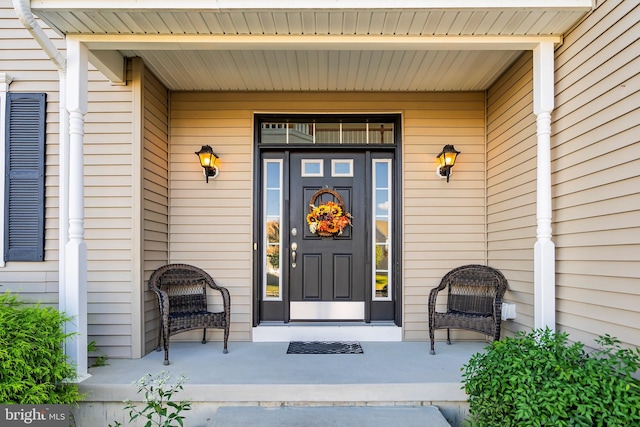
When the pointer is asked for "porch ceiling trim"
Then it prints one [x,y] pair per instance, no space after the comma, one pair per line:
[320,42]
[314,17]
[234,62]
[313,4]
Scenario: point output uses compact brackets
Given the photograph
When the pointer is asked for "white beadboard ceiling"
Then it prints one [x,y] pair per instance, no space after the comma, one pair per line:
[332,45]
[328,70]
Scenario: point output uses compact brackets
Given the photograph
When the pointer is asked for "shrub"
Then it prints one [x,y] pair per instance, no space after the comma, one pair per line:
[540,379]
[33,366]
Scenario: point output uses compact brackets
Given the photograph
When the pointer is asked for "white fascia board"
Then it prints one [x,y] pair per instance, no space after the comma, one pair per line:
[321,42]
[284,5]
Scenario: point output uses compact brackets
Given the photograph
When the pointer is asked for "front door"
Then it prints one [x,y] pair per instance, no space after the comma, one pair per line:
[327,236]
[328,246]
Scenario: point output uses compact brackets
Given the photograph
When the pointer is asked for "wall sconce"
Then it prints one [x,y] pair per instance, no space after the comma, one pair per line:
[208,161]
[447,158]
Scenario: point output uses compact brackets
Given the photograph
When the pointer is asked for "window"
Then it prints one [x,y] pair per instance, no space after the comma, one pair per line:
[272,211]
[349,130]
[312,167]
[342,167]
[24,177]
[381,233]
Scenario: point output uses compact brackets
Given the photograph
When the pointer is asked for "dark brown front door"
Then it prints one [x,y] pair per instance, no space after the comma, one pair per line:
[328,276]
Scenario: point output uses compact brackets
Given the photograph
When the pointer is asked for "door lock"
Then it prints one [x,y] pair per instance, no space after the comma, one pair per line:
[294,247]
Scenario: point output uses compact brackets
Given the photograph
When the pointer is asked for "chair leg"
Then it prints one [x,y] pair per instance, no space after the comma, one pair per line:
[448,336]
[165,342]
[204,336]
[226,339]
[431,337]
[496,335]
[166,350]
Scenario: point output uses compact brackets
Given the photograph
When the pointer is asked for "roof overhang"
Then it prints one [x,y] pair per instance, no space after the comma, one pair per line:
[412,45]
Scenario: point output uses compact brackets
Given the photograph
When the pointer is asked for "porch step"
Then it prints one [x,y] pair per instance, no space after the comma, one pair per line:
[328,416]
[393,376]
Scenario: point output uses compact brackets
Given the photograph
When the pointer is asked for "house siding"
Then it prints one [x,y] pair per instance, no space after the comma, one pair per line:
[155,203]
[595,154]
[32,71]
[211,224]
[595,175]
[112,289]
[511,186]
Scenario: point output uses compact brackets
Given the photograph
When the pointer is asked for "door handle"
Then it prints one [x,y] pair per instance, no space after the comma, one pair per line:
[294,247]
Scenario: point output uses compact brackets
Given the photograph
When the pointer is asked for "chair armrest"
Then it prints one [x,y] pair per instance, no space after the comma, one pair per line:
[163,300]
[226,298]
[433,296]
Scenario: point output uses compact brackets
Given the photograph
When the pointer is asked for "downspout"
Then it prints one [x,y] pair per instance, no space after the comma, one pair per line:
[23,11]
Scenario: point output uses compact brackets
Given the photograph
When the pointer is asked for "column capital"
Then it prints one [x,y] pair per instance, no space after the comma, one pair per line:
[543,78]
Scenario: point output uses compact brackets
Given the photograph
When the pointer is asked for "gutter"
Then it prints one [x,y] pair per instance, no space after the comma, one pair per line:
[23,10]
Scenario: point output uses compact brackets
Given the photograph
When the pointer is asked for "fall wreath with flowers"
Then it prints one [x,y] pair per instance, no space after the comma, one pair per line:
[329,218]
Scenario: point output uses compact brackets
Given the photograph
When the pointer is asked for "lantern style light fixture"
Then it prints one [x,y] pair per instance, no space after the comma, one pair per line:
[446,159]
[208,161]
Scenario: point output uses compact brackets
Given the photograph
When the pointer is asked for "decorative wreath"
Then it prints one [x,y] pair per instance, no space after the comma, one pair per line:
[329,218]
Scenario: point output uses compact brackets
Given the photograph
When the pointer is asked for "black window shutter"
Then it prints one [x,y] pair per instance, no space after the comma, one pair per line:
[24,179]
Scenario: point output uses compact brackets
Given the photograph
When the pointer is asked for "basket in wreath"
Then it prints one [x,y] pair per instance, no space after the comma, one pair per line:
[330,218]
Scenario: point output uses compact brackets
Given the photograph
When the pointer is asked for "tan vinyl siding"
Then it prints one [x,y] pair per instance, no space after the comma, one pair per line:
[22,58]
[156,195]
[511,186]
[596,202]
[443,222]
[108,151]
[595,161]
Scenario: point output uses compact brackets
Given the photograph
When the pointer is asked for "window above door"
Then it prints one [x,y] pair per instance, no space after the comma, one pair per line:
[343,130]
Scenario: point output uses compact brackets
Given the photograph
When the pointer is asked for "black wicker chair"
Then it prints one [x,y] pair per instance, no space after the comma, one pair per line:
[474,301]
[182,298]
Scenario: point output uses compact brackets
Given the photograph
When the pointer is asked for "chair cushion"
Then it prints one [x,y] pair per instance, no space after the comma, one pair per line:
[468,314]
[471,304]
[187,314]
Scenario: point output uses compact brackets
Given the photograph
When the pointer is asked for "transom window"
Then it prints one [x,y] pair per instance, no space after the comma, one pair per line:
[333,132]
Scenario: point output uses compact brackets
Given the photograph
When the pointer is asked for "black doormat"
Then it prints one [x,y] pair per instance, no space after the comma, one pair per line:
[324,347]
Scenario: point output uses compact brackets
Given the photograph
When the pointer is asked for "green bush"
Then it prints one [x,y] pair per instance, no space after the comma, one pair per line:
[540,379]
[33,366]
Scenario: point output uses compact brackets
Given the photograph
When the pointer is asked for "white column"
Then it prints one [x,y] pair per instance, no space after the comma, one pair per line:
[76,265]
[544,249]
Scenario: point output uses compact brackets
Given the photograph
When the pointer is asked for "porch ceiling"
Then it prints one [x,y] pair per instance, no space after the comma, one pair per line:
[332,45]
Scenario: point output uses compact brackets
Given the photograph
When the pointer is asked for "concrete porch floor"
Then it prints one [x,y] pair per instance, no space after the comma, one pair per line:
[262,374]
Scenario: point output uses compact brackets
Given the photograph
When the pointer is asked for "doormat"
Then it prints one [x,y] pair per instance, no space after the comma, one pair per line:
[324,347]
